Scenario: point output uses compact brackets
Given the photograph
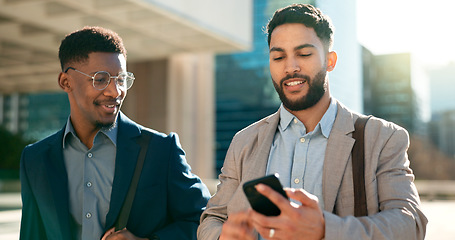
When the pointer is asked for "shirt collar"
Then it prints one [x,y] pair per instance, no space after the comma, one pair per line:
[286,118]
[111,133]
[325,124]
[328,119]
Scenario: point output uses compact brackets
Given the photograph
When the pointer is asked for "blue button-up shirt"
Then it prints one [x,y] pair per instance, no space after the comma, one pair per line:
[298,156]
[90,178]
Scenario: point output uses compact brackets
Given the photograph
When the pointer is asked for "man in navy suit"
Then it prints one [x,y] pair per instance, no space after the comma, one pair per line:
[75,181]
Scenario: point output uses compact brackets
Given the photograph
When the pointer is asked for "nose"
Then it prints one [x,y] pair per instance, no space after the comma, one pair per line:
[292,65]
[113,89]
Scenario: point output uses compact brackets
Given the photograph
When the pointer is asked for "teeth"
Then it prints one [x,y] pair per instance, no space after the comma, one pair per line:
[110,106]
[294,83]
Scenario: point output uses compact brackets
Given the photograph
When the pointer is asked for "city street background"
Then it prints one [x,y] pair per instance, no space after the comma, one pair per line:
[203,74]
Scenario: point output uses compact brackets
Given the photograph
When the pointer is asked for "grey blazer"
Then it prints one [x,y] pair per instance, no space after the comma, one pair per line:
[393,201]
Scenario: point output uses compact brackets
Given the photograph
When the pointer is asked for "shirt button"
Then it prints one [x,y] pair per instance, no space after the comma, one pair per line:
[302,140]
[89,184]
[88,215]
[296,180]
[90,155]
[295,120]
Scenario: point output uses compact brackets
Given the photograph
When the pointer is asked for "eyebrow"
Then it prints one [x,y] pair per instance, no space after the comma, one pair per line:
[278,49]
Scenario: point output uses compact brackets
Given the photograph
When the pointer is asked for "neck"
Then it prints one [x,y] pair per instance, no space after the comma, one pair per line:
[310,117]
[85,133]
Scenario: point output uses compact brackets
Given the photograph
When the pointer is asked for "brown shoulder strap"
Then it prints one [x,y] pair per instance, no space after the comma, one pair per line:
[358,167]
[126,208]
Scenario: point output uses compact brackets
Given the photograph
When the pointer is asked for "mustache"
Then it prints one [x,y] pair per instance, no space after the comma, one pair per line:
[112,101]
[295,75]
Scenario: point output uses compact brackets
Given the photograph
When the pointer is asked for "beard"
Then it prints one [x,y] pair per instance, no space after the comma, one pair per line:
[316,89]
[106,126]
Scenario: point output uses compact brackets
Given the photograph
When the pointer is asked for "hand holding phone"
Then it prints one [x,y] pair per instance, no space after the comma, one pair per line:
[258,201]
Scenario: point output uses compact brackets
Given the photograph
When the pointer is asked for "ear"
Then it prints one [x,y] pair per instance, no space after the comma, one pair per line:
[331,61]
[64,82]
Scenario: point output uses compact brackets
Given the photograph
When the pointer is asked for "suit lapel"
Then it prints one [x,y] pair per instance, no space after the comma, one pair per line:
[266,135]
[57,183]
[125,163]
[337,154]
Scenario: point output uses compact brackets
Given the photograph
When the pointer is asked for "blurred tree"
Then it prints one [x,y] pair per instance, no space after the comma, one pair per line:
[11,146]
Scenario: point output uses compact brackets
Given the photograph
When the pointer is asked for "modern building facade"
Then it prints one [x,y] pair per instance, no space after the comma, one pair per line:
[394,91]
[442,126]
[441,88]
[442,132]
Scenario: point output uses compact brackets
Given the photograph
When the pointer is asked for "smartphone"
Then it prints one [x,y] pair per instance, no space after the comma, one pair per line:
[258,201]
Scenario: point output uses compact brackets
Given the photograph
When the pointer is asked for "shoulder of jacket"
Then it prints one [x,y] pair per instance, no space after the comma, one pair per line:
[253,128]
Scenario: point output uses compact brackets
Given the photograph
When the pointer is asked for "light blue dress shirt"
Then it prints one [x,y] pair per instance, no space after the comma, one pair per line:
[90,178]
[297,156]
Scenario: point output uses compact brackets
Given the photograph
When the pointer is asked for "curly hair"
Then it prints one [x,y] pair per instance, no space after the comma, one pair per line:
[76,46]
[305,14]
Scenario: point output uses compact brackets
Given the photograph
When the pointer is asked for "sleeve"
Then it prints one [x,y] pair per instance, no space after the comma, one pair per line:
[215,215]
[187,196]
[399,215]
[32,226]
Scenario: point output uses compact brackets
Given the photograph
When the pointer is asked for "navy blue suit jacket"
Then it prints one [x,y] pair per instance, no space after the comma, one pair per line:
[168,202]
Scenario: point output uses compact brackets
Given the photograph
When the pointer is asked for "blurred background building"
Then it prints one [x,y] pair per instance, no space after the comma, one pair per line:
[202,71]
[201,66]
[392,90]
[171,47]
[442,125]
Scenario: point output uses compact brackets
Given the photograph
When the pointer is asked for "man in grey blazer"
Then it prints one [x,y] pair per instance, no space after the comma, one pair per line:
[308,141]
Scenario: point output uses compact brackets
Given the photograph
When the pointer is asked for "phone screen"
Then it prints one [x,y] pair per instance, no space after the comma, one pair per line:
[258,201]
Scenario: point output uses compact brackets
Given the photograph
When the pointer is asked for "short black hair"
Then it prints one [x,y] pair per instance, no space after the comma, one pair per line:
[305,14]
[76,46]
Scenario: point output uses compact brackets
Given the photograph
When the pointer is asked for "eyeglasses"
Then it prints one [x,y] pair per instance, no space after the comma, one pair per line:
[102,79]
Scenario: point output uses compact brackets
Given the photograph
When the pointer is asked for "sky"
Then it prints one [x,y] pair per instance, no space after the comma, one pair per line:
[424,28]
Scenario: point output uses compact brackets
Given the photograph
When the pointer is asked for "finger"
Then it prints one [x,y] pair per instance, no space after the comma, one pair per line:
[107,233]
[237,226]
[268,233]
[281,202]
[262,224]
[232,231]
[304,197]
[239,217]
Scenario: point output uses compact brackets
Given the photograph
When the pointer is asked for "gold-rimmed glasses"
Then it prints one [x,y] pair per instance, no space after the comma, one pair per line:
[101,79]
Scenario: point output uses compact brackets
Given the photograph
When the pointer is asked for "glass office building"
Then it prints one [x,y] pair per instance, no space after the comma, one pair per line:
[34,115]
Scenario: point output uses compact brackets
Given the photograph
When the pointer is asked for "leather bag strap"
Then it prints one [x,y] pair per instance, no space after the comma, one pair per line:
[358,167]
[126,208]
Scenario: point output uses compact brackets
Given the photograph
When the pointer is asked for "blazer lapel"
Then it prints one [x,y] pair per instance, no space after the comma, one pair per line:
[337,154]
[259,160]
[57,183]
[125,163]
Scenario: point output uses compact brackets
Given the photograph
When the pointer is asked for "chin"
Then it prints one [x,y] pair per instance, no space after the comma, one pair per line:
[106,125]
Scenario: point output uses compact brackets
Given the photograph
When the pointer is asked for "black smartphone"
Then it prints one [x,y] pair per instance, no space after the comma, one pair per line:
[258,201]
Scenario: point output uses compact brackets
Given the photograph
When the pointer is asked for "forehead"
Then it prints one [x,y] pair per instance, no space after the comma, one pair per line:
[105,60]
[291,35]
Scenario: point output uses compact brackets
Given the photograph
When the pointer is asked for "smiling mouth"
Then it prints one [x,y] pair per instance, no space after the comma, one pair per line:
[294,83]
